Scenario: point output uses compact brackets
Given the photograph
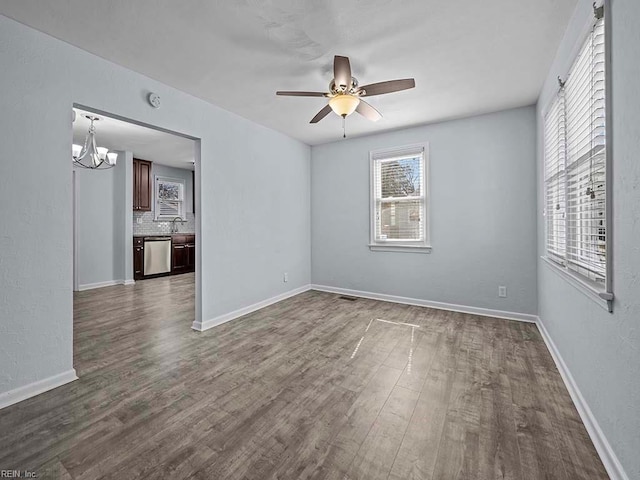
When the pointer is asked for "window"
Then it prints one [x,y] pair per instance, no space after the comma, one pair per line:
[169,198]
[575,166]
[399,199]
[554,156]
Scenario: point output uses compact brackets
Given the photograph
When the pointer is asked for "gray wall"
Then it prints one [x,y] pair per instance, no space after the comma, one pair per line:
[483,229]
[181,173]
[254,223]
[95,203]
[602,350]
[104,252]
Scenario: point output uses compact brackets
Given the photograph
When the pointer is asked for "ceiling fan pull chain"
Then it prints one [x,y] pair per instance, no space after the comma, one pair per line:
[344,127]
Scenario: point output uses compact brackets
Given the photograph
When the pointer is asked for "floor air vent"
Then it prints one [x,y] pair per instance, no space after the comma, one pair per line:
[345,297]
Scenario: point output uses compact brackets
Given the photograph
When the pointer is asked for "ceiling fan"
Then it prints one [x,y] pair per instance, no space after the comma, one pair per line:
[345,95]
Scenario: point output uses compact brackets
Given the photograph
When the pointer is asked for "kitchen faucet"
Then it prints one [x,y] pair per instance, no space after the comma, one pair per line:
[174,228]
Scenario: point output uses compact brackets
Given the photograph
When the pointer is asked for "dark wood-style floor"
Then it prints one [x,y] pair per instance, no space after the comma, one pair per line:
[312,387]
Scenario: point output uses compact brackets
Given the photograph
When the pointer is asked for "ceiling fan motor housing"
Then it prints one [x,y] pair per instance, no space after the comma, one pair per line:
[352,90]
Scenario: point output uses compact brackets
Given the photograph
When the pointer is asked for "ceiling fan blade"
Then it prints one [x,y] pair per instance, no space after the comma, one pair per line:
[388,86]
[301,94]
[321,114]
[342,71]
[368,111]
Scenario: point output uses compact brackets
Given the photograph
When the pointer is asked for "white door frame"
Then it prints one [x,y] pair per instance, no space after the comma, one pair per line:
[74,207]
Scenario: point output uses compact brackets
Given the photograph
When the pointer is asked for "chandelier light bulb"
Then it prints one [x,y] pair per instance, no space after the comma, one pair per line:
[102,153]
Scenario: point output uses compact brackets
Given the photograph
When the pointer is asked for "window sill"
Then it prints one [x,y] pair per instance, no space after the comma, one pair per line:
[381,247]
[596,293]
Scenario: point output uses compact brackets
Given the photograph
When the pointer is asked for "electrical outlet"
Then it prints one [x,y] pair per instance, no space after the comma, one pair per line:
[139,220]
[285,277]
[502,291]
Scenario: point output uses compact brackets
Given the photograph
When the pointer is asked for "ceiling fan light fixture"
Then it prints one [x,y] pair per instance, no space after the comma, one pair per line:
[344,105]
[345,93]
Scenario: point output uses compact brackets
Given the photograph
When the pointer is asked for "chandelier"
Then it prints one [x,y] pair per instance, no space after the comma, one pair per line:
[92,156]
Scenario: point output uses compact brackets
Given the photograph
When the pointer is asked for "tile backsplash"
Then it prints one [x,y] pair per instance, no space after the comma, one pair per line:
[150,227]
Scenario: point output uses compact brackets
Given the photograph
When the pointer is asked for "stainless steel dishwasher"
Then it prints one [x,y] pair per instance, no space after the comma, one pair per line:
[157,255]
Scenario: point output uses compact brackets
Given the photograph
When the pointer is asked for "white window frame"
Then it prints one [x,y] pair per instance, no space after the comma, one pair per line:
[602,294]
[390,245]
[156,209]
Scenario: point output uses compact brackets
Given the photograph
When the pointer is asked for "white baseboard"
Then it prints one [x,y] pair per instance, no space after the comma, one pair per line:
[607,455]
[110,283]
[207,324]
[36,388]
[523,317]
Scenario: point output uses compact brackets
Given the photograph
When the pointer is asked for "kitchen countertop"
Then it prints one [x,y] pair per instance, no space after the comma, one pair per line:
[162,234]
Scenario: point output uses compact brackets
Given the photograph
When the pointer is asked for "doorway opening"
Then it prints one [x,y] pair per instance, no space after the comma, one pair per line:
[135,230]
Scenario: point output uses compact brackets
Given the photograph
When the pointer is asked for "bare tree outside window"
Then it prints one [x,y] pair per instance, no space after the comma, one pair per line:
[400,178]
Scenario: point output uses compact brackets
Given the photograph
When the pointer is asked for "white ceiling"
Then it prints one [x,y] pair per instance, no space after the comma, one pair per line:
[467,56]
[145,143]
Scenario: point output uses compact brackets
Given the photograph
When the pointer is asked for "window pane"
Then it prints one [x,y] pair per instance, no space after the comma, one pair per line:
[586,246]
[555,216]
[586,238]
[399,196]
[401,220]
[169,191]
[575,165]
[169,198]
[554,158]
[401,178]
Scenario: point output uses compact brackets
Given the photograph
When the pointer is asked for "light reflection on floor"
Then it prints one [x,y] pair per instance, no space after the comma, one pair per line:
[413,329]
[355,350]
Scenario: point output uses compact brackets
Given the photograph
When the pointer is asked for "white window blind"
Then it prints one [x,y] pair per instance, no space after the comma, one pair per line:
[399,196]
[554,155]
[585,191]
[575,165]
[169,198]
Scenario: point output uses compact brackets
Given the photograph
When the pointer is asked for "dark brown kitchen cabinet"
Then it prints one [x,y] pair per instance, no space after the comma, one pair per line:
[142,185]
[138,258]
[191,256]
[179,260]
[183,253]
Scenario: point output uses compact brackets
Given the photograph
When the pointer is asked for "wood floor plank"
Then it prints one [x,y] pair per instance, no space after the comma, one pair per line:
[539,454]
[360,418]
[377,453]
[421,357]
[313,387]
[458,451]
[418,451]
[499,454]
